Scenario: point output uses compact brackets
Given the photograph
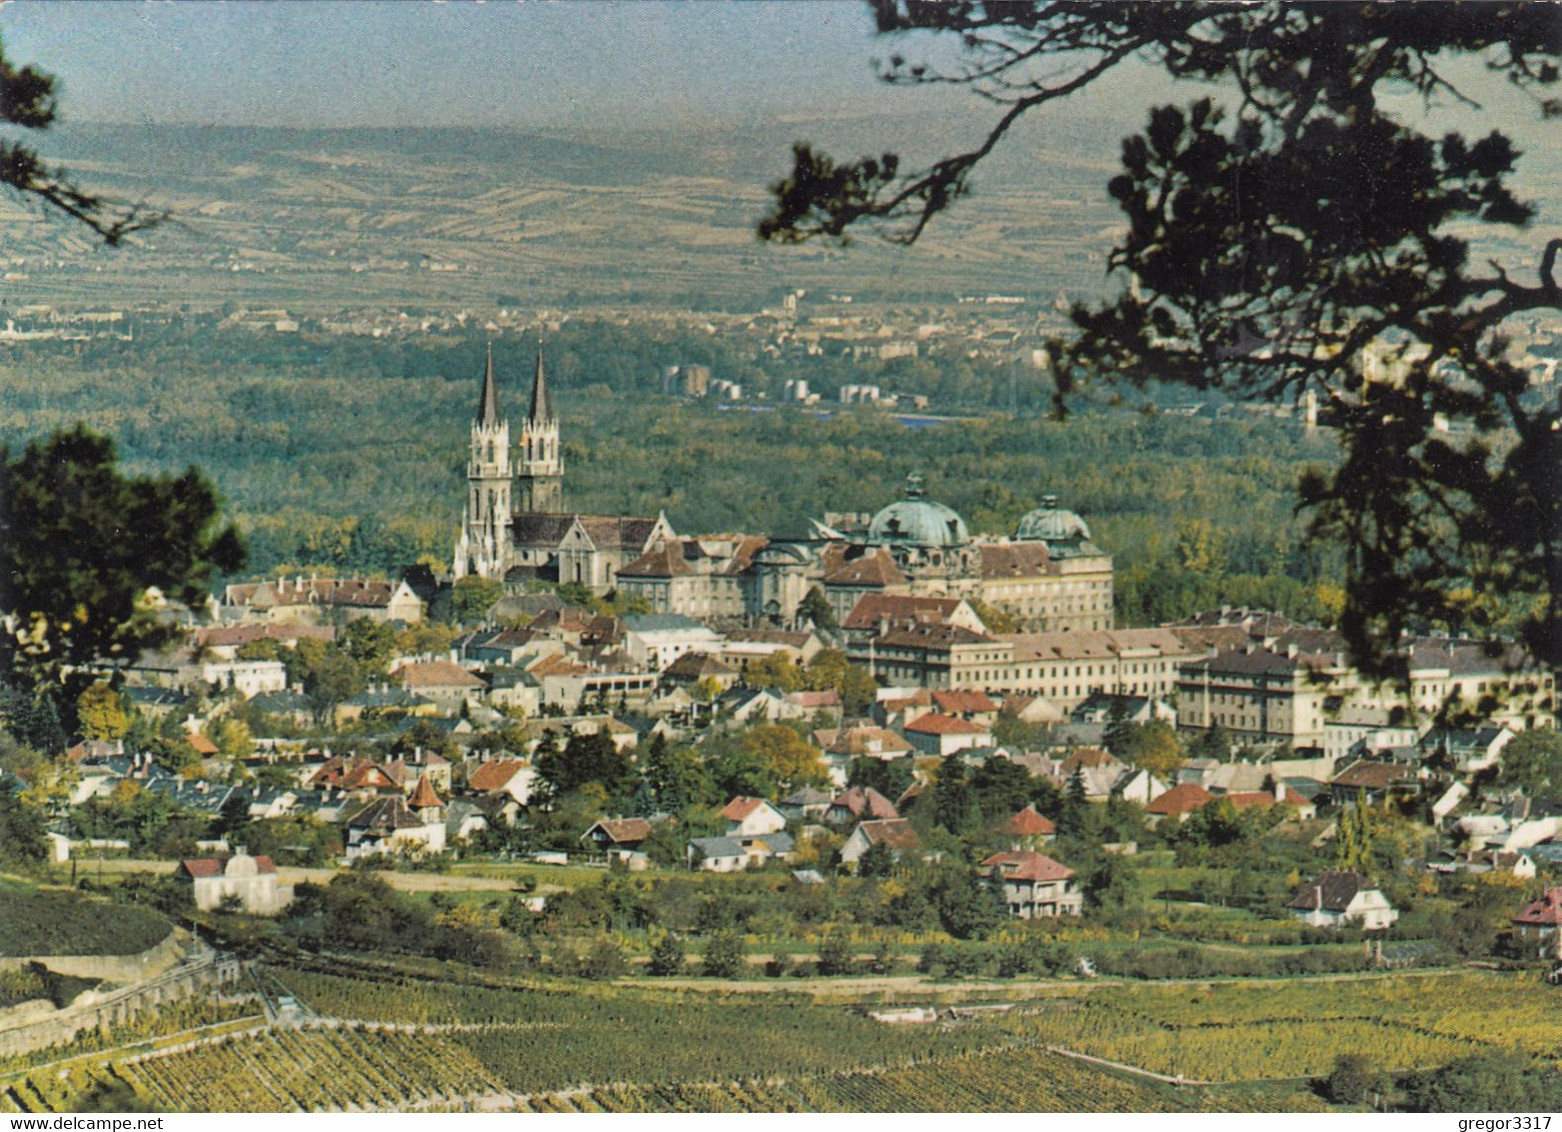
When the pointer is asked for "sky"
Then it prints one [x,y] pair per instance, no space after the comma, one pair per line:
[527,64]
[521,63]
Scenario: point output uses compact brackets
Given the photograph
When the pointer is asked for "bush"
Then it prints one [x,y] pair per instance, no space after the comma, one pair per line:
[667,957]
[604,961]
[723,956]
[835,954]
[1353,1080]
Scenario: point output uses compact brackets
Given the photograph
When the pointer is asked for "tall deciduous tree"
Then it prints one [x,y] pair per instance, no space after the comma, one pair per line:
[1301,230]
[81,544]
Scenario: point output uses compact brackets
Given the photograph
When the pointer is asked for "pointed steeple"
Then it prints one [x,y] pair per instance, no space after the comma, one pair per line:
[542,404]
[488,407]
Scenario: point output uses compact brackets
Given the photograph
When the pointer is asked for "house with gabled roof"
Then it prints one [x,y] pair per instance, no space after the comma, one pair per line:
[717,854]
[1034,886]
[1179,802]
[859,803]
[443,681]
[388,824]
[1340,899]
[898,834]
[1540,923]
[751,817]
[512,777]
[618,835]
[945,735]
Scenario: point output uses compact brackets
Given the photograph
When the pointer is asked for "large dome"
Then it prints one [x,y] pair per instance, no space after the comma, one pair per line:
[1049,523]
[916,521]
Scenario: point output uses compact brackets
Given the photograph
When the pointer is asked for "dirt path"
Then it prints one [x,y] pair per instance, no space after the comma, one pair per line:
[286,874]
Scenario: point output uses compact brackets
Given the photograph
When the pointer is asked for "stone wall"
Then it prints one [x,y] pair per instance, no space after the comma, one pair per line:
[202,972]
[112,968]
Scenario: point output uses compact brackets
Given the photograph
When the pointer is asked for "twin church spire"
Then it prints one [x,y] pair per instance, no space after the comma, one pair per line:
[537,475]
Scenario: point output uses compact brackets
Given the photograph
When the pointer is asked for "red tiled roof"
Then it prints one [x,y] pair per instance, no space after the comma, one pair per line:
[195,867]
[740,808]
[858,802]
[1028,823]
[897,833]
[877,569]
[435,674]
[935,724]
[872,608]
[1183,798]
[957,701]
[495,775]
[1545,912]
[1026,865]
[622,831]
[424,795]
[203,745]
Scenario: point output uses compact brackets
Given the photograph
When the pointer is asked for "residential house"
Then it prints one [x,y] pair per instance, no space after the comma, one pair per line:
[618,835]
[514,778]
[859,804]
[1028,830]
[1034,885]
[717,855]
[387,825]
[805,805]
[1179,802]
[748,818]
[1464,750]
[311,600]
[897,834]
[443,681]
[1540,924]
[944,735]
[1342,899]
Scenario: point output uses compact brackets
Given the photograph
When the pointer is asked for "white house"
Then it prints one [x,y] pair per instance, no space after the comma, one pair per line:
[250,880]
[1342,899]
[897,833]
[752,817]
[717,855]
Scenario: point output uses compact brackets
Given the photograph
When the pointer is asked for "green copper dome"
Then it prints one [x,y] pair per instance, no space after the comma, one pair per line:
[916,521]
[1049,523]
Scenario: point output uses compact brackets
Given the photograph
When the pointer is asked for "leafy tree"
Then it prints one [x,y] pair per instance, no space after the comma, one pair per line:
[1354,843]
[1002,787]
[329,675]
[1354,1080]
[585,760]
[233,738]
[723,958]
[667,957]
[835,953]
[100,714]
[878,861]
[1486,1082]
[1302,233]
[890,777]
[1118,727]
[1153,746]
[604,961]
[80,545]
[1532,761]
[472,598]
[775,672]
[676,776]
[22,843]
[372,644]
[1214,742]
[789,760]
[816,608]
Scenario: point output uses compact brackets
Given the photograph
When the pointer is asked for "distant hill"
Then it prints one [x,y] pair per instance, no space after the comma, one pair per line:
[312,218]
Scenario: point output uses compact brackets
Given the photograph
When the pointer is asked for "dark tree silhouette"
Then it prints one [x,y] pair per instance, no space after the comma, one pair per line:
[1299,235]
[80,544]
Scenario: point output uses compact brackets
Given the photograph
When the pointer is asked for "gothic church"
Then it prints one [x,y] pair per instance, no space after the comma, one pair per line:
[540,538]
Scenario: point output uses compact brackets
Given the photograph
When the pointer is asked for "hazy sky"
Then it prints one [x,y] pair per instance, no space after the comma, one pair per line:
[417,62]
[521,63]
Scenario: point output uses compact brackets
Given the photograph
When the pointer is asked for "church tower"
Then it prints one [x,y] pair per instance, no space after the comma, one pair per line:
[540,472]
[484,545]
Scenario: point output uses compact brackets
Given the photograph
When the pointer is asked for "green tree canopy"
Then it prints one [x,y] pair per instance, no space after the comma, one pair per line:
[1297,228]
[81,544]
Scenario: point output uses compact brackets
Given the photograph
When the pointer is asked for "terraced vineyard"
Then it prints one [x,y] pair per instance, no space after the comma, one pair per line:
[1253,1031]
[311,1070]
[1013,1080]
